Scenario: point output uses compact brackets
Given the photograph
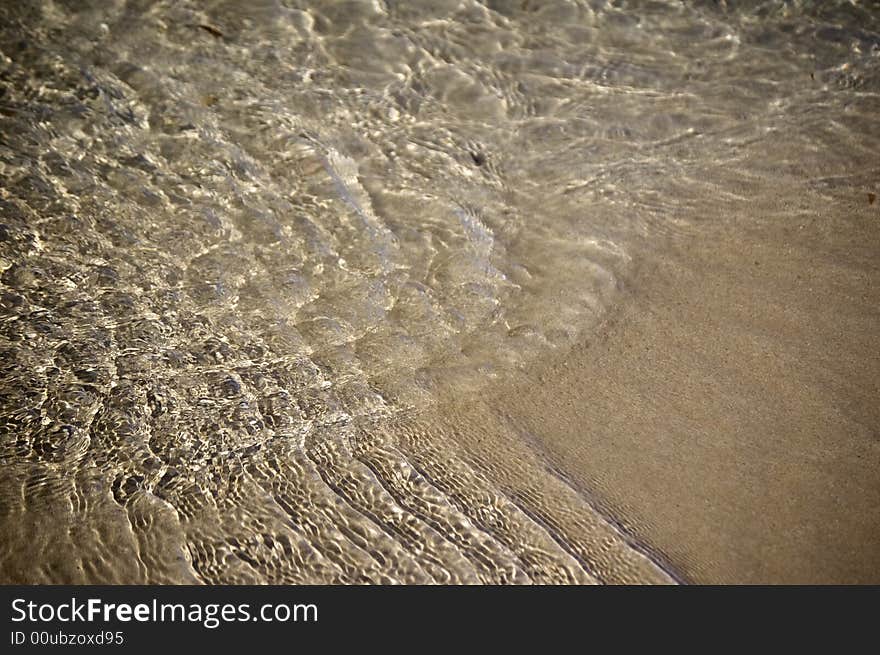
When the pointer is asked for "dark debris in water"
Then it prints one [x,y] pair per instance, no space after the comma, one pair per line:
[478,157]
[210,29]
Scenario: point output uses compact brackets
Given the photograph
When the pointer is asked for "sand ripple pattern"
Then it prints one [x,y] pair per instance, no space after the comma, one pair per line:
[245,247]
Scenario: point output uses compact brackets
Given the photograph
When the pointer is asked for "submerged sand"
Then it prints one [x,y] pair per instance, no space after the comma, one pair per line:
[726,414]
[721,426]
[405,292]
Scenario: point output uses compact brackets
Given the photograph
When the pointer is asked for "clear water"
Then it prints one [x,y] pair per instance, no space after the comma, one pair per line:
[238,236]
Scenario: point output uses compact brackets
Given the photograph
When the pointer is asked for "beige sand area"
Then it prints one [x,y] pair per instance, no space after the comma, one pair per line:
[727,413]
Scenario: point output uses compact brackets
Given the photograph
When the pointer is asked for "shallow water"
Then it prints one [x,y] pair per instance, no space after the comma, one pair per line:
[243,244]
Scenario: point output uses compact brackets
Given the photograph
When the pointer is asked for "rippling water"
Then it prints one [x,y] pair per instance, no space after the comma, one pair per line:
[239,237]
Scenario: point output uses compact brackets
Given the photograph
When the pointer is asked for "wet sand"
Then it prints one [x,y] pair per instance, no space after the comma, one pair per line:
[632,241]
[721,426]
[726,414]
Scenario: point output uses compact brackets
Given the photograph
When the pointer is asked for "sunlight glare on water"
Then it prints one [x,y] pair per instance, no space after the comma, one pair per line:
[235,235]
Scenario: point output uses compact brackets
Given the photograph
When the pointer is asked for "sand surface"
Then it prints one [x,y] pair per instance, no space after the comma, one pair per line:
[726,415]
[343,293]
